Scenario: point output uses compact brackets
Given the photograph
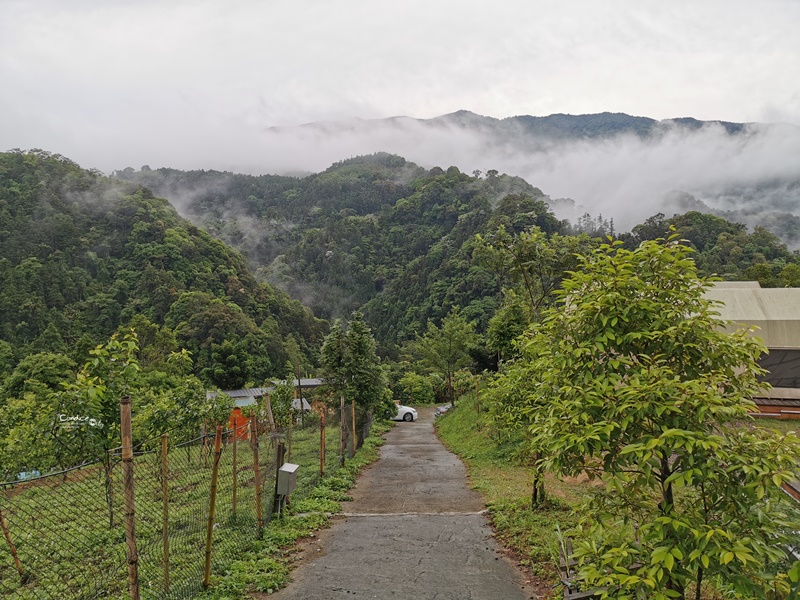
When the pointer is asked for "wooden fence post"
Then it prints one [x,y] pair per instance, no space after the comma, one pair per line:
[130,506]
[342,426]
[235,470]
[212,506]
[270,416]
[322,443]
[13,548]
[165,508]
[109,482]
[353,419]
[289,433]
[256,475]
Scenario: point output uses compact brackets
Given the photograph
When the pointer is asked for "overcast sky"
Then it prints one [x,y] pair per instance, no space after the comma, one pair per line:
[193,84]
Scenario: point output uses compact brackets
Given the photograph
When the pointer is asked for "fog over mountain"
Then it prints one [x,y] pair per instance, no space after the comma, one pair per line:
[624,167]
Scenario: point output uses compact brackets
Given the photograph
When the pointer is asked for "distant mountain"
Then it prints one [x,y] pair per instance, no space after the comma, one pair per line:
[526,129]
[616,164]
[574,127]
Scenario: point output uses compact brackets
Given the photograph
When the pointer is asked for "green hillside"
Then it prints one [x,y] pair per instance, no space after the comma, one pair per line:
[375,231]
[82,255]
[381,234]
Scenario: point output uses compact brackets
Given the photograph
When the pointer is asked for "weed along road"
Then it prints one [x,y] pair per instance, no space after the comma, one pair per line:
[414,530]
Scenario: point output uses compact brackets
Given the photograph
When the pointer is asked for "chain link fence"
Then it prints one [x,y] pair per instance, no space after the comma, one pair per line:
[65,533]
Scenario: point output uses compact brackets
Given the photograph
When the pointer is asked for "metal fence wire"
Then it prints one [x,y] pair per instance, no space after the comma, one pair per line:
[65,533]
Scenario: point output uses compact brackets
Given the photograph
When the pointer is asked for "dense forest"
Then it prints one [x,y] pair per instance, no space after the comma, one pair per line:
[82,255]
[397,241]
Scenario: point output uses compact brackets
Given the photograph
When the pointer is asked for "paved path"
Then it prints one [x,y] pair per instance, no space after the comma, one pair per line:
[413,531]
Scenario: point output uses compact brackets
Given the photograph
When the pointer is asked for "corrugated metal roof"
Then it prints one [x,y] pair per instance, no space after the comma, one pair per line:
[245,393]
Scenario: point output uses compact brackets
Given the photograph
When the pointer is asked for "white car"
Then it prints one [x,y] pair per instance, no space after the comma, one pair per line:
[405,413]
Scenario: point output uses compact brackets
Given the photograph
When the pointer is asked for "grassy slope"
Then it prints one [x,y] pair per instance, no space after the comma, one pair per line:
[65,544]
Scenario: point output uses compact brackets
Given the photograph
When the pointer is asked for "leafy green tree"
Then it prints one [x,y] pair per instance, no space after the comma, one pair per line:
[332,358]
[351,367]
[26,442]
[333,363]
[632,381]
[365,380]
[173,403]
[8,360]
[38,373]
[110,374]
[790,276]
[507,324]
[416,389]
[530,266]
[228,347]
[280,400]
[445,350]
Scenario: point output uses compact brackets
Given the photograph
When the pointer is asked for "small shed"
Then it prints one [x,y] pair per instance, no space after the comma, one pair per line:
[250,396]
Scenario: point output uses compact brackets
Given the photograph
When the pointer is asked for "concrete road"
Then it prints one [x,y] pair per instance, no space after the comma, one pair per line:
[414,530]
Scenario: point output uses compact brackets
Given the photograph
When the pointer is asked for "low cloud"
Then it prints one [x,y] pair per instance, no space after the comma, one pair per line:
[625,177]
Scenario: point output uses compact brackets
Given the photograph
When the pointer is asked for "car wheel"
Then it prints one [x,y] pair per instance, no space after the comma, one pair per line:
[408,417]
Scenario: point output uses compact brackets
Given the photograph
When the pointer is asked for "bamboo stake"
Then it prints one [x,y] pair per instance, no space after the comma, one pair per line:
[270,416]
[130,507]
[256,475]
[289,433]
[212,505]
[11,545]
[342,426]
[322,443]
[235,470]
[300,393]
[109,481]
[353,419]
[165,508]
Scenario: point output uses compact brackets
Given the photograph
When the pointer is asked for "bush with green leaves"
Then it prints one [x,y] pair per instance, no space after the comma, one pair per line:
[631,380]
[417,389]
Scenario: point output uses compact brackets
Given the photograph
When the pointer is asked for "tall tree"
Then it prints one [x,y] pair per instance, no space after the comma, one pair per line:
[445,349]
[530,266]
[352,368]
[366,382]
[332,362]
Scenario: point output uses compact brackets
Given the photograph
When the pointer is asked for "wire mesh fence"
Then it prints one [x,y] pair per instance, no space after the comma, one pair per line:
[65,533]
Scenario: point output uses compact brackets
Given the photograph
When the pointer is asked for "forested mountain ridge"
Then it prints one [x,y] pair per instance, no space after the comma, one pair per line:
[373,228]
[82,255]
[381,234]
[526,129]
[601,162]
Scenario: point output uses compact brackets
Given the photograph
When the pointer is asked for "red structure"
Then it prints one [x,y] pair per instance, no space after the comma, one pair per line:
[239,424]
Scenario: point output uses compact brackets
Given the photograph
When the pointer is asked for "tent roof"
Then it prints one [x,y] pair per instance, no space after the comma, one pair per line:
[775,311]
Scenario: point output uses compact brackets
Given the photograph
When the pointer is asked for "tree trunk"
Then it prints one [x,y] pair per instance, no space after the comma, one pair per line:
[667,503]
[538,495]
[699,583]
